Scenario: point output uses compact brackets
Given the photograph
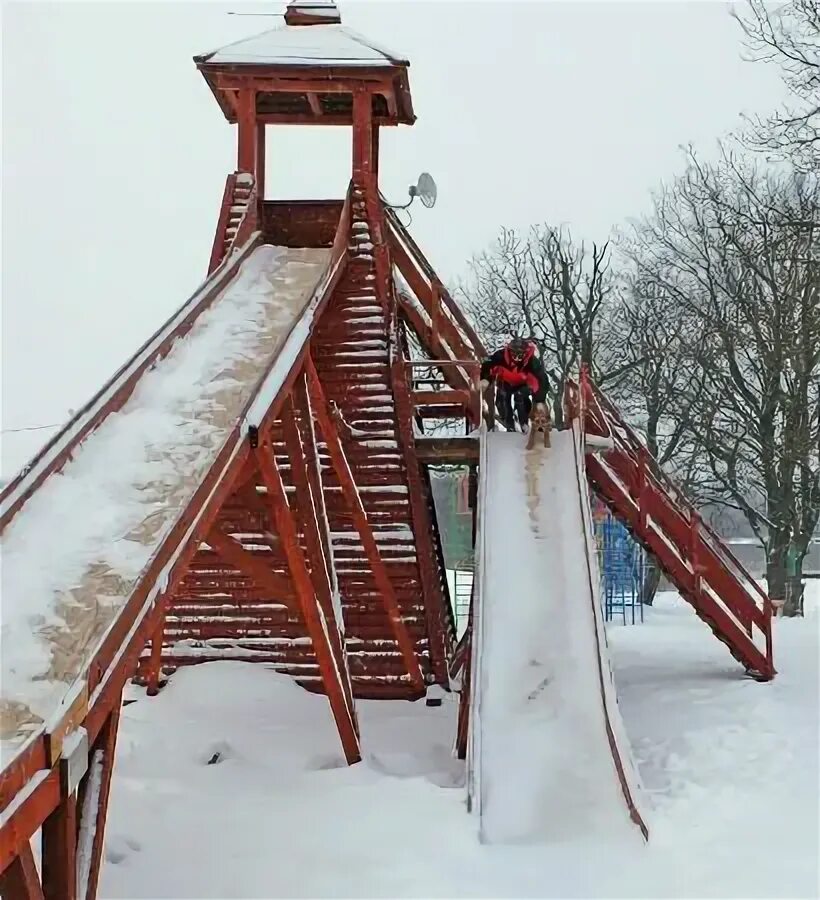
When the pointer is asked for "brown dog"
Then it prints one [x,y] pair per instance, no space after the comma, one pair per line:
[539,421]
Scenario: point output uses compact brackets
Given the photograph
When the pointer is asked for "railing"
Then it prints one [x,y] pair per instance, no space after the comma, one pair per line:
[89,700]
[218,247]
[697,559]
[469,399]
[442,306]
[428,306]
[116,391]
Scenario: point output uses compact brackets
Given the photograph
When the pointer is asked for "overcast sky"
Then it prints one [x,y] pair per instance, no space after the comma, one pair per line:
[115,152]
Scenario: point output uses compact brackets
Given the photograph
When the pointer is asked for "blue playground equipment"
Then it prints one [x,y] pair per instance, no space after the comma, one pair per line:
[623,567]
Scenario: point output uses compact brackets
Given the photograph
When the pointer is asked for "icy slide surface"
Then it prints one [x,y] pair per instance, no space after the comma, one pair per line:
[72,556]
[544,770]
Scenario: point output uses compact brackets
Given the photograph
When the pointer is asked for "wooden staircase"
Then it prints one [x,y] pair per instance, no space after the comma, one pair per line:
[723,594]
[222,610]
[236,217]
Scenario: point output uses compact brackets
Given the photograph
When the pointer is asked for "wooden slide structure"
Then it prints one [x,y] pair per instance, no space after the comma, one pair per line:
[280,510]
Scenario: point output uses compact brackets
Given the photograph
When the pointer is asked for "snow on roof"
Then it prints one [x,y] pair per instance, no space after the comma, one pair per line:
[298,45]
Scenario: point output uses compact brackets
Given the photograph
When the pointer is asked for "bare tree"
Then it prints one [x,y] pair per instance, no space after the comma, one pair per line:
[547,287]
[789,35]
[737,252]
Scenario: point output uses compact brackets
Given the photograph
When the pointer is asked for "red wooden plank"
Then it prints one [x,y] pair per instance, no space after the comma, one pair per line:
[27,817]
[21,881]
[233,552]
[154,660]
[319,564]
[344,713]
[302,397]
[22,769]
[107,744]
[348,485]
[60,851]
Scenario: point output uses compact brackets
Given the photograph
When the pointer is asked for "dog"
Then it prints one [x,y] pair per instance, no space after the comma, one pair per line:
[539,422]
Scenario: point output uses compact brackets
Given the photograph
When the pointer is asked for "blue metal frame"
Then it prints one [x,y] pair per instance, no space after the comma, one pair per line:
[623,570]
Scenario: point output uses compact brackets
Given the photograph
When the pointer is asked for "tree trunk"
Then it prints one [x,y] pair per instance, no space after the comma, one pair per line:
[776,575]
[793,605]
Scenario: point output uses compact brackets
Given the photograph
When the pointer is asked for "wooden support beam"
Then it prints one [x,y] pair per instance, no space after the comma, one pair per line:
[315,105]
[362,138]
[343,711]
[447,450]
[246,139]
[60,851]
[308,514]
[102,767]
[305,118]
[329,85]
[390,99]
[440,411]
[374,150]
[320,565]
[260,163]
[20,880]
[439,398]
[232,551]
[354,503]
[155,659]
[311,450]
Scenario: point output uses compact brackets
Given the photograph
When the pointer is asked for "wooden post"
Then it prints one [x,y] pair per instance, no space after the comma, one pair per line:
[60,851]
[343,711]
[374,151]
[319,566]
[435,314]
[106,744]
[308,515]
[247,137]
[20,880]
[354,502]
[155,659]
[362,138]
[313,471]
[260,164]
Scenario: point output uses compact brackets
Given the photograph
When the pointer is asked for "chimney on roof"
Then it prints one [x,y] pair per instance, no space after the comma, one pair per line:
[312,12]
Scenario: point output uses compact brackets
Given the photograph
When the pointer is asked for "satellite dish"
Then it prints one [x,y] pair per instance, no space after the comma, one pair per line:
[425,190]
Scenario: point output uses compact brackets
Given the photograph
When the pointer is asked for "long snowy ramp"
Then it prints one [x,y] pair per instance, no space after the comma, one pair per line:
[78,550]
[549,760]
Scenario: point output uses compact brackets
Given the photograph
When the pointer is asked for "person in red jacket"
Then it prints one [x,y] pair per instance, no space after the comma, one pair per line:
[520,381]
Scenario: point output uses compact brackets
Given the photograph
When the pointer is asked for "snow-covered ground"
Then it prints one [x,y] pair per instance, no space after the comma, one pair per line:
[731,767]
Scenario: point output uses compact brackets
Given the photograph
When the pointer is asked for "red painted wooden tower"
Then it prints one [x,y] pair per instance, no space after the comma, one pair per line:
[308,539]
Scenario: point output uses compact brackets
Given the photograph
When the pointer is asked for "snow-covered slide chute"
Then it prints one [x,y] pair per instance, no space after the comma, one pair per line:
[548,758]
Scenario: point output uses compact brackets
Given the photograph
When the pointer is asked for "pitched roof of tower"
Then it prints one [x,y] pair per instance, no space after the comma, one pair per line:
[301,45]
